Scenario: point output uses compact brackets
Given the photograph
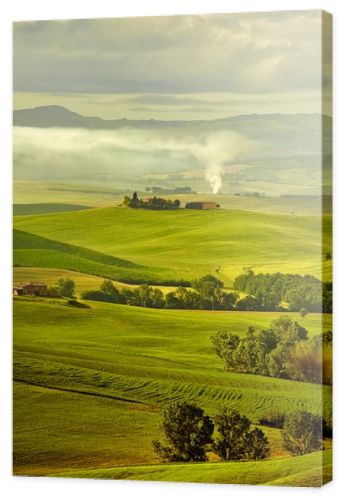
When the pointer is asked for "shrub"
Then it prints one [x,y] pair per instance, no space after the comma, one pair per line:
[305,362]
[96,295]
[273,419]
[75,303]
[302,433]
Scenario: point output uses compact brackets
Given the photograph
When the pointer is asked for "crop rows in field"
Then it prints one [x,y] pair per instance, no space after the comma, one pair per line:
[254,402]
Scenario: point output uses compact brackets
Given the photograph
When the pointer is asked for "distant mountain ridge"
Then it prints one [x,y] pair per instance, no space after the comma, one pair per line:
[59,116]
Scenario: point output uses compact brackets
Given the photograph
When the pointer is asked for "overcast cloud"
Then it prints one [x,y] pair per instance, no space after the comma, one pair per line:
[246,53]
[178,67]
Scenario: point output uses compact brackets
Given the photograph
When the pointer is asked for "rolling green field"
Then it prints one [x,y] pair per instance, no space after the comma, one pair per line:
[90,385]
[165,246]
[86,380]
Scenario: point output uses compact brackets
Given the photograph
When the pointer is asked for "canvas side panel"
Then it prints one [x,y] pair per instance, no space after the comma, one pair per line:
[327,195]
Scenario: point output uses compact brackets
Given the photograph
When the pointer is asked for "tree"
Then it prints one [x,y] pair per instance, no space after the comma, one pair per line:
[236,441]
[126,201]
[225,344]
[171,301]
[287,330]
[108,287]
[144,292]
[303,312]
[302,433]
[208,286]
[256,445]
[187,433]
[65,287]
[157,298]
[249,303]
[276,361]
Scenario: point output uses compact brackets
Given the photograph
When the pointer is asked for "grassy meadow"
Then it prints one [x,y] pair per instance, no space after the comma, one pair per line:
[165,246]
[112,369]
[90,384]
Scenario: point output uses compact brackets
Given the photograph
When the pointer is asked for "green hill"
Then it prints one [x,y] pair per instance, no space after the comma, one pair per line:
[90,384]
[182,244]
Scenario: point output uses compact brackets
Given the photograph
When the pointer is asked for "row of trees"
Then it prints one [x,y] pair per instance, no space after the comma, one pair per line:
[268,292]
[189,435]
[283,350]
[154,203]
[207,293]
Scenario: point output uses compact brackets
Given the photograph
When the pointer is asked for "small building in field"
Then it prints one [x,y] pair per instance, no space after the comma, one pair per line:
[37,288]
[202,205]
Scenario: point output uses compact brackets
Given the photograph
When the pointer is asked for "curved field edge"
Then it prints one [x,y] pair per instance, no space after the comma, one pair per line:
[46,208]
[304,470]
[33,250]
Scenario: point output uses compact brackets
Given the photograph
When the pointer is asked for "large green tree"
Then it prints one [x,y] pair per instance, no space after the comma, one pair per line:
[187,432]
[236,440]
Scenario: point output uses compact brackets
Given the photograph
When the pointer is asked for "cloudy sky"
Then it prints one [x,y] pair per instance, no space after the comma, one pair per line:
[180,67]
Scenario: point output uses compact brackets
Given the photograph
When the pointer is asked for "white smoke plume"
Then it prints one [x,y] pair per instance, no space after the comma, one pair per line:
[214,175]
[219,147]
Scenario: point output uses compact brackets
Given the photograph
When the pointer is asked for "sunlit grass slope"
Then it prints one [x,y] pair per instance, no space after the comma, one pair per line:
[294,471]
[148,356]
[91,384]
[33,251]
[183,244]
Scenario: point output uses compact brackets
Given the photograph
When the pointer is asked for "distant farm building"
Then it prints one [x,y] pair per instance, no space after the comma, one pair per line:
[37,288]
[202,205]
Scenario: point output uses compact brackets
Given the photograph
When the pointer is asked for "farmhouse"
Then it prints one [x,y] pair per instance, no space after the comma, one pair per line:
[37,288]
[202,205]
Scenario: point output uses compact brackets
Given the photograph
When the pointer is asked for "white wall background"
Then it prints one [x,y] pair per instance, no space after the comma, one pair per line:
[52,489]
